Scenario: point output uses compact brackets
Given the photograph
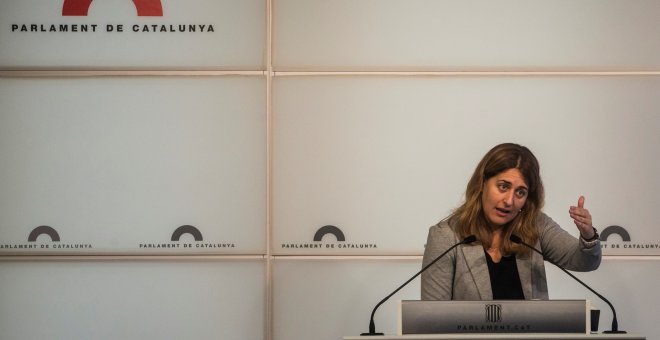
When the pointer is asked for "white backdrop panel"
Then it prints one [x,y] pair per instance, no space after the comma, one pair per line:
[120,164]
[475,34]
[327,299]
[237,40]
[384,158]
[631,285]
[132,300]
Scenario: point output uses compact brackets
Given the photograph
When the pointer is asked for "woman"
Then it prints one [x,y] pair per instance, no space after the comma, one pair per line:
[504,197]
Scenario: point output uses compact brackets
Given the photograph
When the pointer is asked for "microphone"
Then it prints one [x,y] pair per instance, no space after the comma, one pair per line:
[615,323]
[372,326]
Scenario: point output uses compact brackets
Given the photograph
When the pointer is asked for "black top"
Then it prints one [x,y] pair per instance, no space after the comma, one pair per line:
[504,278]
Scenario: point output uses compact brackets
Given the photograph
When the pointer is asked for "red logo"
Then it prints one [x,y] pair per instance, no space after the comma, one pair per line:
[145,8]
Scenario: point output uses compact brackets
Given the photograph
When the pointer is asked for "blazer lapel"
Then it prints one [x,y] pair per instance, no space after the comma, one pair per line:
[476,261]
[525,272]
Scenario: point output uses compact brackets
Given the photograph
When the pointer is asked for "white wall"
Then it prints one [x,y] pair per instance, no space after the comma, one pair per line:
[293,115]
[135,299]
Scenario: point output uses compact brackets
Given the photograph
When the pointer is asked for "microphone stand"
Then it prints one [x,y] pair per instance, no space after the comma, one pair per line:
[615,323]
[372,326]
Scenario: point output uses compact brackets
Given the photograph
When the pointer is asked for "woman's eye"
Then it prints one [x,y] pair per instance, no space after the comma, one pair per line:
[502,186]
[521,193]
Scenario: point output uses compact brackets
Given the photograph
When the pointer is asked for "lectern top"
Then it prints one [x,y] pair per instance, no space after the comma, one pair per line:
[528,336]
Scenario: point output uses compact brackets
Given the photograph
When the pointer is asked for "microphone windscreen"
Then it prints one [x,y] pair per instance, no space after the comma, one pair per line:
[469,239]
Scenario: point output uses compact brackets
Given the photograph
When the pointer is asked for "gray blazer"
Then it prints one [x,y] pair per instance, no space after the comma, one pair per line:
[463,273]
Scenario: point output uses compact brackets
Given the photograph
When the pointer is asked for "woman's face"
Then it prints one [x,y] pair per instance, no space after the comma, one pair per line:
[503,197]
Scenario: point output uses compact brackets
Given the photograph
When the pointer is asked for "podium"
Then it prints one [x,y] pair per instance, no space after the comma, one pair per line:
[501,336]
[496,320]
[494,317]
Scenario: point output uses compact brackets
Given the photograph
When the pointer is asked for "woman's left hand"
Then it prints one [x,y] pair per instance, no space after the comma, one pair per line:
[582,219]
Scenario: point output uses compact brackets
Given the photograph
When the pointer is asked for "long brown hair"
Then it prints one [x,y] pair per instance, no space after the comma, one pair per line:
[469,218]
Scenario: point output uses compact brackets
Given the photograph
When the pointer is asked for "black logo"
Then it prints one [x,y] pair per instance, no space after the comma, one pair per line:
[647,245]
[176,242]
[329,229]
[493,313]
[41,230]
[336,242]
[52,243]
[614,229]
[187,229]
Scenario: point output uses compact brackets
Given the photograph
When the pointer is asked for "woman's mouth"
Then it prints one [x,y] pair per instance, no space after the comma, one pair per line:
[502,212]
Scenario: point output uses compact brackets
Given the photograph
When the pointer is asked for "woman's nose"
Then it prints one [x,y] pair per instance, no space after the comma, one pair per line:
[508,198]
